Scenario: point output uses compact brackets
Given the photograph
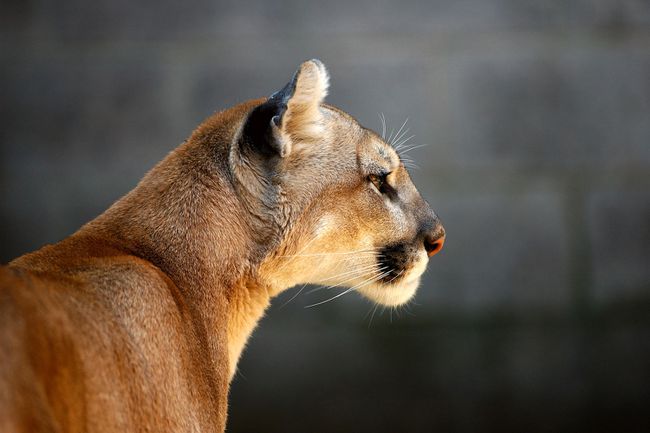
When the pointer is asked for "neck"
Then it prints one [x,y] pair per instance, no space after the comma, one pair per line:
[187,219]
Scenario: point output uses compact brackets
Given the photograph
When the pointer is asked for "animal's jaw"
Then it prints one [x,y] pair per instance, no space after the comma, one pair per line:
[392,294]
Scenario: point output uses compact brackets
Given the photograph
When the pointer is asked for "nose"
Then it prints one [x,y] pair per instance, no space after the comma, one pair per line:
[434,240]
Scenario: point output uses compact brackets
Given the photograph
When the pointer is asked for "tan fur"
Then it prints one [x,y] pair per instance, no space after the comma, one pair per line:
[136,321]
[304,119]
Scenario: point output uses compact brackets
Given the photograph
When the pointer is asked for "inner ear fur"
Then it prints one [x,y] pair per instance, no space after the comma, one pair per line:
[290,114]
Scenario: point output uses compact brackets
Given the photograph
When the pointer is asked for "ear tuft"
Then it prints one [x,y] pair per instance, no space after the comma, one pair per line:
[303,117]
[312,83]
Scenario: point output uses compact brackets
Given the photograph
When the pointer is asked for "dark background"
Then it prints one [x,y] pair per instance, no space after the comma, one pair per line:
[536,315]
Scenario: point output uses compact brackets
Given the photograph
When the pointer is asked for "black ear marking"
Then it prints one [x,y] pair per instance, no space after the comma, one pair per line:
[287,91]
[257,132]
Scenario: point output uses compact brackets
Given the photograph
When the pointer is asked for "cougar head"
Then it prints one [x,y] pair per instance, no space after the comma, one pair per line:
[336,198]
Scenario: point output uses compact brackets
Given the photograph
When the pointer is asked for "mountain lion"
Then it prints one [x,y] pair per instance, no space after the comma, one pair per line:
[136,321]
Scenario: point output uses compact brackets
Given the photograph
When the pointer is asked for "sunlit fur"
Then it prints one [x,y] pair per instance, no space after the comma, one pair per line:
[136,321]
[344,220]
[336,240]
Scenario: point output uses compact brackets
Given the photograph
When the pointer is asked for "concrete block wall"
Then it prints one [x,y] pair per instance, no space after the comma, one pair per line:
[537,120]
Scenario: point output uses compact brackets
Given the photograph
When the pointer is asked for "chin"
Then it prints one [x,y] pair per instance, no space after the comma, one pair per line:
[391,295]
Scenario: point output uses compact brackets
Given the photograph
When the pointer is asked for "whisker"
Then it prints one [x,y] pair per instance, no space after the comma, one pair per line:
[400,140]
[365,283]
[410,148]
[360,272]
[383,126]
[294,296]
[374,310]
[365,253]
[315,289]
[397,135]
[304,248]
[390,136]
[354,274]
[401,143]
[361,269]
[406,308]
[408,162]
[365,250]
[396,276]
[375,271]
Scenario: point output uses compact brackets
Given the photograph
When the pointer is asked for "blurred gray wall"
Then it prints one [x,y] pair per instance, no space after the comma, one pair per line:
[535,317]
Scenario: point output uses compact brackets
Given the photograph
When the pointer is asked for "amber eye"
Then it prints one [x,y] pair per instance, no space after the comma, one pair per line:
[379,181]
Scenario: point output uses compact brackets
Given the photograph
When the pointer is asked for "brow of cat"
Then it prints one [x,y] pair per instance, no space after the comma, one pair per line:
[385,161]
[382,147]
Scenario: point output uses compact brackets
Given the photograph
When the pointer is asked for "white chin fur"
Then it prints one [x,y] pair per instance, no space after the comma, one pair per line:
[391,295]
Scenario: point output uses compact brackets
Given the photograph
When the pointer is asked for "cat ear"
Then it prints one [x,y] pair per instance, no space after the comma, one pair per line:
[303,118]
[290,114]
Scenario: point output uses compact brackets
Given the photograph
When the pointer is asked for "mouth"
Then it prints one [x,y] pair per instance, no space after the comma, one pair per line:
[394,293]
[400,282]
[393,277]
[395,259]
[402,265]
[400,278]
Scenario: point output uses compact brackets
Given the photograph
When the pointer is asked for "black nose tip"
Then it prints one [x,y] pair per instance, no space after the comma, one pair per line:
[434,240]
